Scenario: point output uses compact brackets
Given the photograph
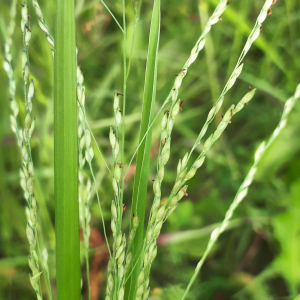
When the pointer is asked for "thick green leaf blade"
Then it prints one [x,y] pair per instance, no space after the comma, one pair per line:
[143,156]
[66,155]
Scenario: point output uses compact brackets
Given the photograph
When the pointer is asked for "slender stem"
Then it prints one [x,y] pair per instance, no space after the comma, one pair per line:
[93,176]
[123,30]
[124,102]
[145,135]
[87,270]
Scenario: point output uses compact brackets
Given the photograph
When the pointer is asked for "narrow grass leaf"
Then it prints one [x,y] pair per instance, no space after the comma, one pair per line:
[66,155]
[143,156]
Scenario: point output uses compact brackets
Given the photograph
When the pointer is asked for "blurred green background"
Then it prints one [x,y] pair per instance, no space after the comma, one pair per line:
[258,257]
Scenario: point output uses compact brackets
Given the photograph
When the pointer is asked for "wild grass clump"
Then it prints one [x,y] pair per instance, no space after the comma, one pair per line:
[132,253]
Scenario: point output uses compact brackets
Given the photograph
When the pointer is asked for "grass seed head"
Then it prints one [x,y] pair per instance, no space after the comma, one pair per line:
[171,210]
[191,174]
[161,213]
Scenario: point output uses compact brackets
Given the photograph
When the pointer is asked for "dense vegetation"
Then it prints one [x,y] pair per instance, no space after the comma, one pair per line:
[257,257]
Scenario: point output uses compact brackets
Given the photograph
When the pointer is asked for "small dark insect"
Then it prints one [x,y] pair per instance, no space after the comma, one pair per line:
[220,18]
[124,206]
[261,29]
[183,189]
[118,94]
[112,166]
[152,179]
[231,113]
[269,11]
[132,216]
[164,142]
[250,88]
[167,112]
[180,106]
[183,72]
[121,165]
[28,16]
[186,194]
[228,2]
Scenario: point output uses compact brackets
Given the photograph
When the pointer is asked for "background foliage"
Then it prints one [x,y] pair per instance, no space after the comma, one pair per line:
[258,257]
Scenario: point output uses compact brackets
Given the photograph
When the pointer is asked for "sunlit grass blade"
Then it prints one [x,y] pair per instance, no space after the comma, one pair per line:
[143,156]
[66,155]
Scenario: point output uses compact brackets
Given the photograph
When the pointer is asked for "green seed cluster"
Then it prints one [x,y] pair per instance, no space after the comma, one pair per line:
[43,25]
[14,123]
[27,171]
[118,263]
[160,213]
[243,190]
[184,174]
[85,154]
[84,210]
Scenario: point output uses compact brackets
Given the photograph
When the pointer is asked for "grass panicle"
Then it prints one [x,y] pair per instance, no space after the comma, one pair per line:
[14,117]
[85,192]
[43,25]
[131,258]
[243,190]
[23,136]
[27,173]
[115,286]
[159,213]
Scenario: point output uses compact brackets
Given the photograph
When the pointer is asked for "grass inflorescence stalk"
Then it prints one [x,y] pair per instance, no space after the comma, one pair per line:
[23,136]
[115,284]
[43,25]
[85,154]
[243,190]
[27,173]
[188,173]
[173,95]
[159,213]
[143,156]
[14,117]
[66,155]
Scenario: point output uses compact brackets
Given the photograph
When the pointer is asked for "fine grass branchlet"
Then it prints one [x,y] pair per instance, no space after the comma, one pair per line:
[159,214]
[27,171]
[243,190]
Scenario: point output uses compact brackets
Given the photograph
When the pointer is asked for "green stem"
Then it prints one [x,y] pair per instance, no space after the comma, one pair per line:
[124,107]
[143,154]
[123,30]
[87,269]
[66,155]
